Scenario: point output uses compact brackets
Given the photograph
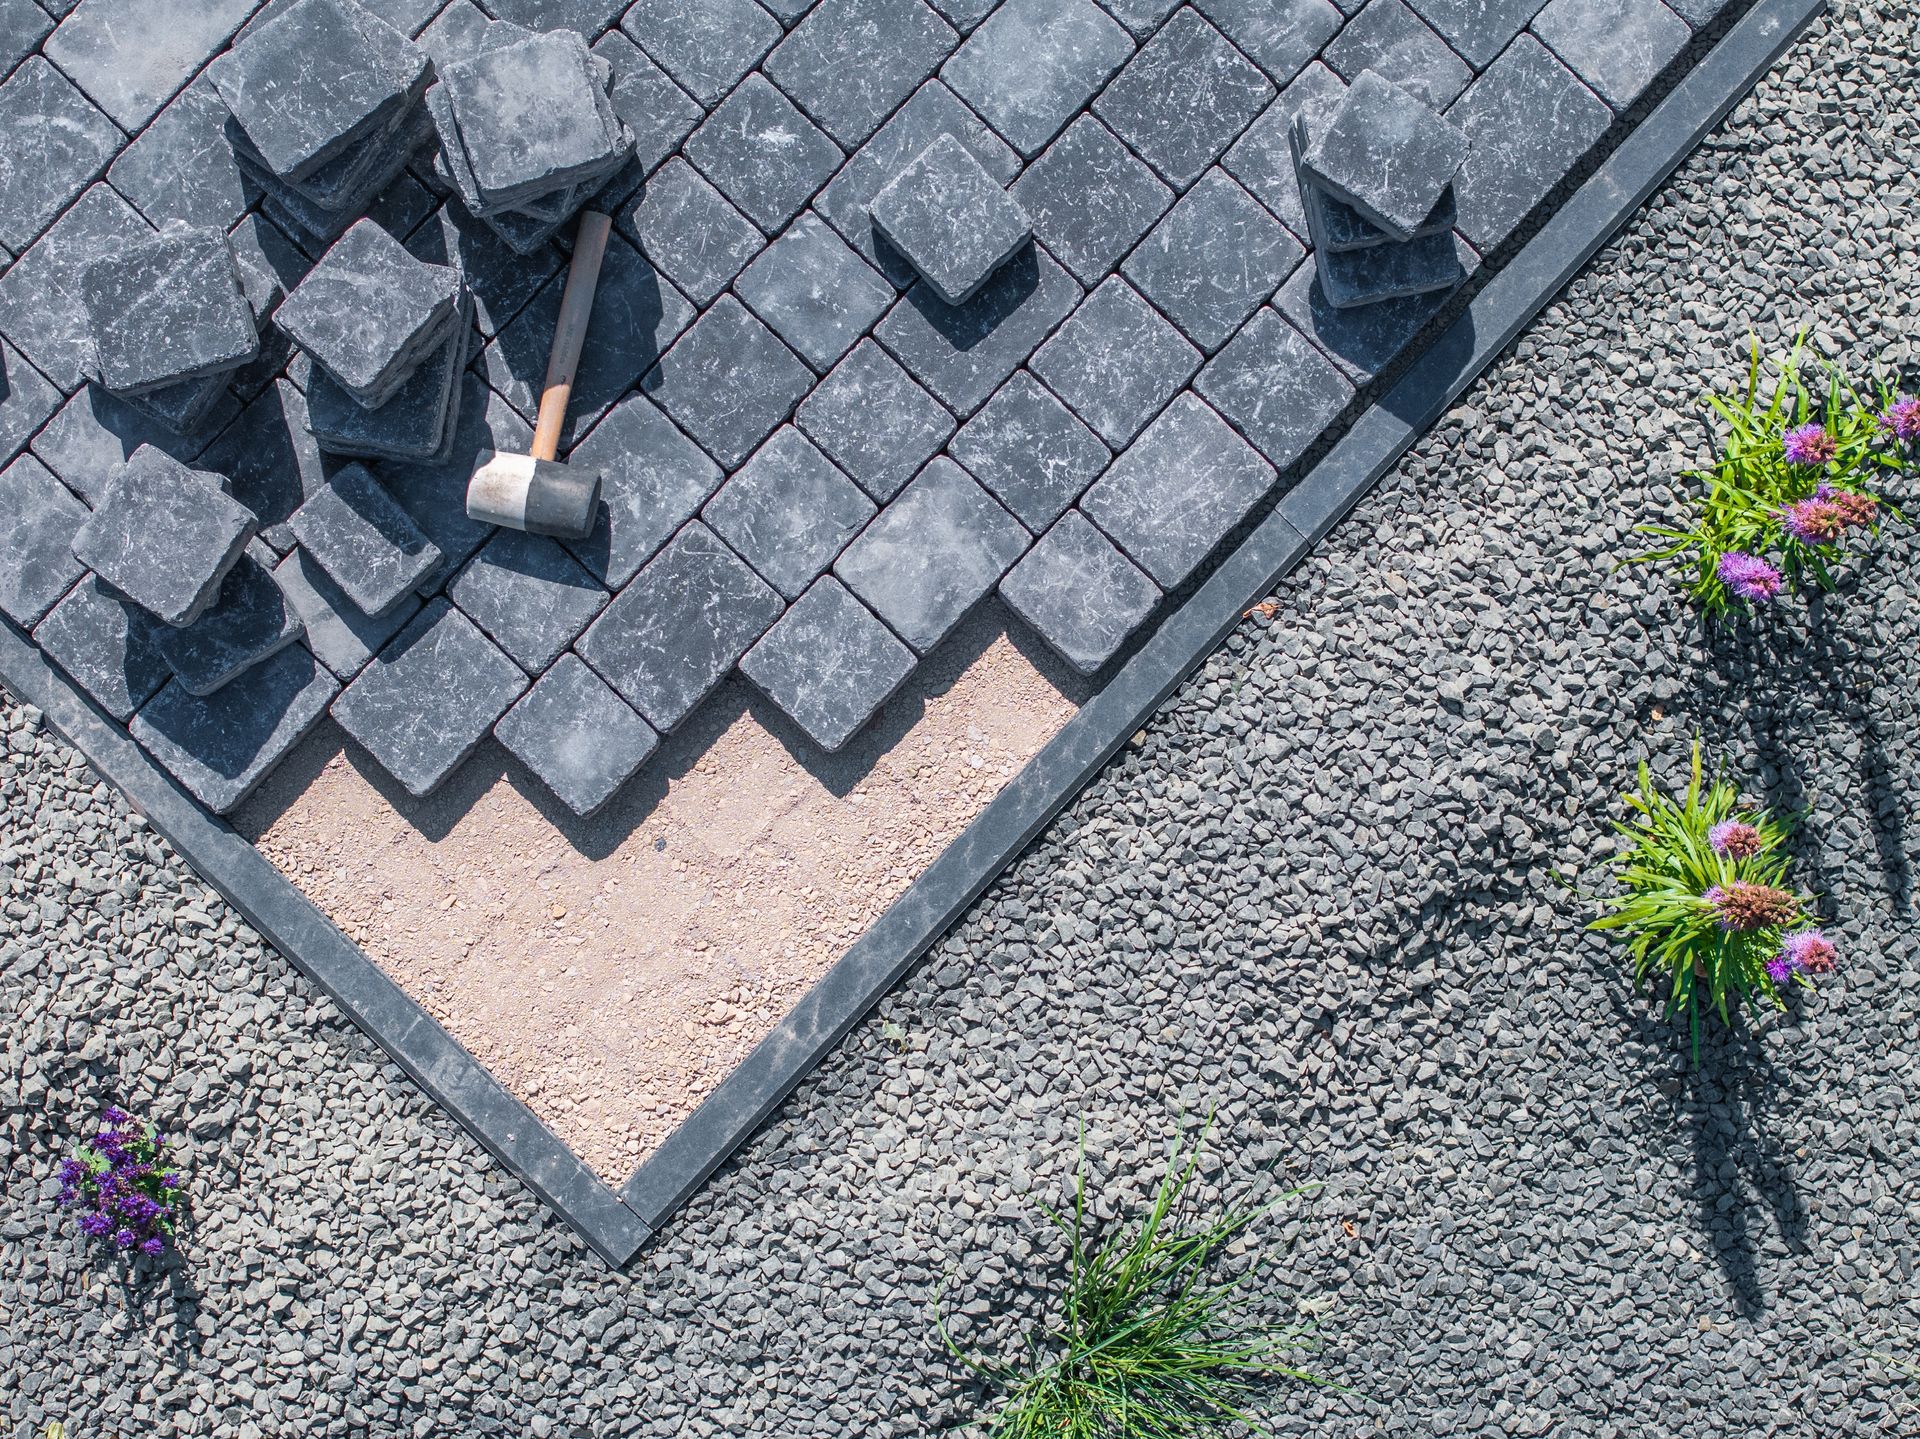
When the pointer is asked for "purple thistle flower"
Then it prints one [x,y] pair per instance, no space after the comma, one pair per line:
[153,1244]
[1902,420]
[1748,576]
[1734,839]
[1780,969]
[1862,510]
[1813,521]
[1810,950]
[1810,446]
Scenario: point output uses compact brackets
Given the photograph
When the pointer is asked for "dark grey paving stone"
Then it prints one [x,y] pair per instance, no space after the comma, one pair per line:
[107,646]
[875,420]
[220,748]
[500,280]
[643,644]
[1335,227]
[963,15]
[706,45]
[851,63]
[1262,158]
[690,230]
[1079,593]
[932,112]
[764,155]
[1030,451]
[434,492]
[461,29]
[39,518]
[166,309]
[56,142]
[658,112]
[341,635]
[349,174]
[184,408]
[132,56]
[636,316]
[248,623]
[1354,278]
[298,115]
[1478,30]
[579,738]
[652,481]
[828,664]
[816,293]
[1698,12]
[1172,497]
[27,400]
[1364,341]
[379,163]
[1397,45]
[42,311]
[1530,120]
[270,460]
[414,425]
[1184,98]
[1213,260]
[367,544]
[164,536]
[23,25]
[1091,199]
[1034,64]
[951,220]
[94,433]
[1386,154]
[789,12]
[1116,362]
[932,555]
[429,698]
[1280,36]
[530,596]
[1275,388]
[182,168]
[1619,47]
[963,353]
[788,511]
[729,382]
[1142,17]
[589,17]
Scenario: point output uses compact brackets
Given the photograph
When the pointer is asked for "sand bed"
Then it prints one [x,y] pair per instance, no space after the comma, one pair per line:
[612,972]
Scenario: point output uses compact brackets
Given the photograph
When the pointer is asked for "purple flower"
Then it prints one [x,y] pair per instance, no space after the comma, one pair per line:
[1810,950]
[1810,446]
[1813,521]
[1734,839]
[123,1238]
[1862,510]
[1780,970]
[95,1224]
[1748,576]
[1902,420]
[114,1116]
[1743,907]
[170,1180]
[153,1244]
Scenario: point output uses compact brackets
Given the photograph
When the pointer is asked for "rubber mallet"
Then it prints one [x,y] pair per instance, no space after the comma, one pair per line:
[533,492]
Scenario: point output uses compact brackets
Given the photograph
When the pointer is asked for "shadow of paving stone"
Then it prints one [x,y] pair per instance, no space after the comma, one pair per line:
[248,622]
[109,646]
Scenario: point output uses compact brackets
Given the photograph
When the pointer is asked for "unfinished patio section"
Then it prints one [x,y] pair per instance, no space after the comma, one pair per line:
[958,374]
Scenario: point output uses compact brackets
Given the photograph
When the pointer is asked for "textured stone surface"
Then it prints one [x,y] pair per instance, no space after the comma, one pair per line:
[342,636]
[690,230]
[23,25]
[530,596]
[269,460]
[414,424]
[652,480]
[706,45]
[1530,120]
[42,312]
[181,167]
[828,664]
[429,698]
[1362,341]
[56,142]
[1356,278]
[657,112]
[729,382]
[500,280]
[1030,451]
[645,646]
[1274,387]
[164,536]
[132,56]
[1397,45]
[1335,227]
[1033,64]
[951,220]
[932,555]
[1184,98]
[764,155]
[367,544]
[963,353]
[587,16]
[39,517]
[1142,17]
[222,746]
[106,645]
[1280,36]
[1079,593]
[1212,261]
[818,295]
[1386,154]
[788,511]
[167,309]
[1478,29]
[27,400]
[1174,495]
[876,422]
[851,63]
[372,166]
[93,433]
[1619,47]
[1116,361]
[580,739]
[249,622]
[1090,199]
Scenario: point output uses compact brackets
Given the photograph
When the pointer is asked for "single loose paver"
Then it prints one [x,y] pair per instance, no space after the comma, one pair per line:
[764,155]
[56,142]
[729,381]
[530,596]
[342,636]
[1386,154]
[690,230]
[1274,387]
[851,63]
[1397,45]
[1116,361]
[164,536]
[39,518]
[875,420]
[653,479]
[1030,451]
[167,309]
[1033,64]
[1213,260]
[580,739]
[788,511]
[1090,199]
[1079,593]
[828,664]
[951,220]
[249,622]
[1619,47]
[367,544]
[107,645]
[1184,98]
[816,293]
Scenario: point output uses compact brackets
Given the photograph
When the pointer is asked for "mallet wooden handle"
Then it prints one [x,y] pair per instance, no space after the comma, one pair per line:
[576,307]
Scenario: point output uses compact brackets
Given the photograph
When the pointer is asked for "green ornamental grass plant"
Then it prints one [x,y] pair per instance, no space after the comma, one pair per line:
[1149,1339]
[1704,900]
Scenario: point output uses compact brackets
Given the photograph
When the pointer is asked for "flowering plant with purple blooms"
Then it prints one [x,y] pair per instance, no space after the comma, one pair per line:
[130,1196]
[1791,485]
[1704,900]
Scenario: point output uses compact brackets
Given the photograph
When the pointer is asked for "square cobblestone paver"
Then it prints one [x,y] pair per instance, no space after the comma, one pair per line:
[951,220]
[1030,451]
[729,382]
[658,112]
[579,738]
[23,25]
[1116,362]
[57,141]
[367,544]
[39,517]
[531,597]
[1213,260]
[181,167]
[1397,45]
[818,295]
[1478,30]
[652,481]
[1079,593]
[43,311]
[93,434]
[414,424]
[1385,153]
[932,555]
[167,309]
[164,536]
[1184,98]
[342,636]
[788,511]
[643,644]
[1033,64]
[705,45]
[429,699]
[851,63]
[249,622]
[1273,386]
[828,664]
[1177,492]
[763,154]
[875,420]
[1091,199]
[1619,47]
[132,56]
[1280,36]
[690,230]
[108,646]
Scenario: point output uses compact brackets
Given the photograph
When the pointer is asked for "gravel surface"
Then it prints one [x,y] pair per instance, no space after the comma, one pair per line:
[1318,893]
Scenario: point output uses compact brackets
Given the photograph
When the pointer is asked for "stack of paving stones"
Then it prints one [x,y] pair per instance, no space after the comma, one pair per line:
[911,308]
